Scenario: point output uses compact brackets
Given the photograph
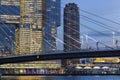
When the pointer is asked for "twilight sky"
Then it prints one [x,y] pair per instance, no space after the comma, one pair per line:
[109,9]
[100,7]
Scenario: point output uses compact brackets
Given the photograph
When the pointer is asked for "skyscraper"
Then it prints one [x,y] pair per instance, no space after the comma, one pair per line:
[52,22]
[31,24]
[44,15]
[28,38]
[9,19]
[71,30]
[41,18]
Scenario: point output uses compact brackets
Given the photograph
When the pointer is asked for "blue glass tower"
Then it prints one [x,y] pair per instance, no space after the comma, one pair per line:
[9,19]
[52,22]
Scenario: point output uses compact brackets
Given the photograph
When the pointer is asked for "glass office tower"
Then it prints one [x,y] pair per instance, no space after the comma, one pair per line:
[29,35]
[9,19]
[43,15]
[41,18]
[52,23]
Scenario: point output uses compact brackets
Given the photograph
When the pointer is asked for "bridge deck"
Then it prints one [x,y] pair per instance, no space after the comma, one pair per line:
[64,55]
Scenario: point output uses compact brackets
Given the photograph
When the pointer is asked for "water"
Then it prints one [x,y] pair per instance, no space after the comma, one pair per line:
[61,78]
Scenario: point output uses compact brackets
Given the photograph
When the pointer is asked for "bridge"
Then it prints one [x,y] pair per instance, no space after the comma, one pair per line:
[60,56]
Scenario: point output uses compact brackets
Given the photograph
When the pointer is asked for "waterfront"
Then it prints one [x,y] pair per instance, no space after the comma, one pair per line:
[31,29]
[117,77]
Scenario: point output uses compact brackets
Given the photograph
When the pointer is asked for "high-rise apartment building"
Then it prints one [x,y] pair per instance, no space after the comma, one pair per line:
[71,30]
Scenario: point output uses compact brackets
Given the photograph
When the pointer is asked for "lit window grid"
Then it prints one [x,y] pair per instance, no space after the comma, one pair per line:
[10,18]
[30,8]
[37,38]
[24,40]
[8,2]
[32,65]
[30,41]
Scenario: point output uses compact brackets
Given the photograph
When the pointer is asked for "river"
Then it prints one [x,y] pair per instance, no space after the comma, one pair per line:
[60,77]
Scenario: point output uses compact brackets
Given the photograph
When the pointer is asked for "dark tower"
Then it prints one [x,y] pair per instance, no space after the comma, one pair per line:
[71,31]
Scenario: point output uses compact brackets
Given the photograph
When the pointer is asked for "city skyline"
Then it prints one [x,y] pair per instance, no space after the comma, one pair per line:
[86,31]
[32,21]
[42,16]
[101,7]
[104,11]
[107,9]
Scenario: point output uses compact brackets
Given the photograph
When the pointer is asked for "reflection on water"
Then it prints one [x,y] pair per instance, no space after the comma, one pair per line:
[60,78]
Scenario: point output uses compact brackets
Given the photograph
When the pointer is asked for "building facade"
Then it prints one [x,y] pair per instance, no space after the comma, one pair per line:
[43,17]
[7,39]
[9,14]
[9,11]
[52,23]
[71,30]
[31,17]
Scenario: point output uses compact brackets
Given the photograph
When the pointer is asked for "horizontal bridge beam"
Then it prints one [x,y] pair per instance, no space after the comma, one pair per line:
[60,56]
